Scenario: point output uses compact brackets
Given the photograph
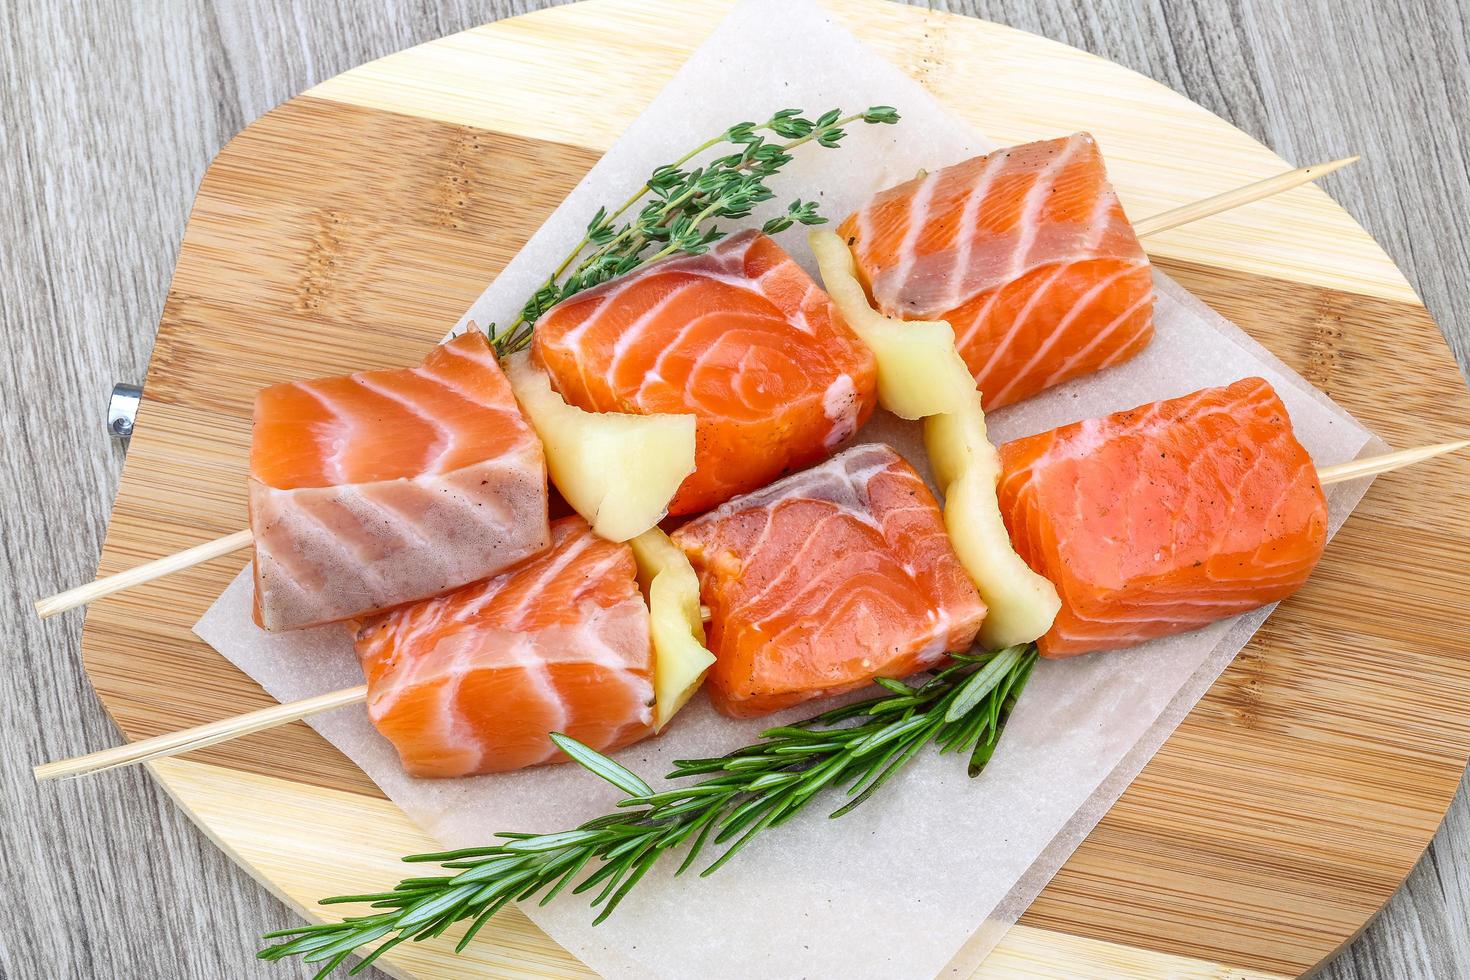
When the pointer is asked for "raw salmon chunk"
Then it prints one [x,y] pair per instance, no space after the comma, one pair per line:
[1028,255]
[375,489]
[827,579]
[1165,517]
[474,681]
[741,338]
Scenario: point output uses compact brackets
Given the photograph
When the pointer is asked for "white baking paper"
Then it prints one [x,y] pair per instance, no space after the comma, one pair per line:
[924,878]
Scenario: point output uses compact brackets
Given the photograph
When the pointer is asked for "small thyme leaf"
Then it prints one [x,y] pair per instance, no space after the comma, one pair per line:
[674,211]
[881,114]
[854,749]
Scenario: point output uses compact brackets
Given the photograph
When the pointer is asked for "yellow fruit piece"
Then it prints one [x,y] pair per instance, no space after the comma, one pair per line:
[922,376]
[672,589]
[1022,604]
[958,443]
[618,471]
[919,371]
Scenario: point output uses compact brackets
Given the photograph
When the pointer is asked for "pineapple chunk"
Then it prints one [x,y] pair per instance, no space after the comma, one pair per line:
[672,589]
[921,375]
[618,471]
[1022,604]
[919,371]
[954,442]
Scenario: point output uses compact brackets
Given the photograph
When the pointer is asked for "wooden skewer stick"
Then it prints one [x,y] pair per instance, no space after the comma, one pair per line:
[200,736]
[222,731]
[1373,465]
[146,572]
[1236,198]
[83,594]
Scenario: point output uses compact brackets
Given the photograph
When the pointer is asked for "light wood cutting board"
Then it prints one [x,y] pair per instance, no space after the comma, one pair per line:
[349,227]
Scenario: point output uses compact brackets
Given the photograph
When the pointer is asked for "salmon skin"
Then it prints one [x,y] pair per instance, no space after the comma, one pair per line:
[375,489]
[1025,252]
[741,338]
[474,681]
[1165,517]
[827,579]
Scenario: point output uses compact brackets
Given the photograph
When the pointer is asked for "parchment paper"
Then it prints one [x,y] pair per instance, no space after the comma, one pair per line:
[924,878]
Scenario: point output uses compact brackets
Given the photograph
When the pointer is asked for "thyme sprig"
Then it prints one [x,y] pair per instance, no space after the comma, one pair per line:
[856,748]
[681,203]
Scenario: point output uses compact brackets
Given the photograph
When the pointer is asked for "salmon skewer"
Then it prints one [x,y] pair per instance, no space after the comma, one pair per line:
[158,568]
[215,732]
[1026,253]
[1149,522]
[475,681]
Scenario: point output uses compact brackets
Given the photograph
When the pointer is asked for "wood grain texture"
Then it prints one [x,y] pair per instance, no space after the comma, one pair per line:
[99,107]
[352,210]
[354,827]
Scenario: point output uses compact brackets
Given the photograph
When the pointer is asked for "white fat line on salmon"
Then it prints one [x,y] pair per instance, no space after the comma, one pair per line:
[919,204]
[712,352]
[840,406]
[1022,319]
[634,331]
[467,395]
[969,218]
[341,431]
[448,440]
[297,516]
[801,318]
[1040,188]
[1107,332]
[1058,332]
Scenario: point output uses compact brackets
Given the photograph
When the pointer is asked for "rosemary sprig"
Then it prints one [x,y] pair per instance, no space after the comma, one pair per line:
[856,748]
[682,205]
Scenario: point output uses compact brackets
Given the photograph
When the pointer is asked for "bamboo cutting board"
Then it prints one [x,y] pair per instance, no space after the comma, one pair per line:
[346,229]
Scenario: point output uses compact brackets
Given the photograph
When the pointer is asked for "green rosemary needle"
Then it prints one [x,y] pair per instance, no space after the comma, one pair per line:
[854,748]
[681,204]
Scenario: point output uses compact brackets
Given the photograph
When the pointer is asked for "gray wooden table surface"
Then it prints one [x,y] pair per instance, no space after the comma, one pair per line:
[109,114]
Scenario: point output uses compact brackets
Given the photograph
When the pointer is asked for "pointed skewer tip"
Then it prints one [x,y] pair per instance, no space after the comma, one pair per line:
[1323,169]
[1239,197]
[1388,462]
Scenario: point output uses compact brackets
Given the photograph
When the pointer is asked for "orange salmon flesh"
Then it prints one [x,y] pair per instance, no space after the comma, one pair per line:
[1025,252]
[741,338]
[1165,517]
[375,489]
[473,682]
[827,579]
